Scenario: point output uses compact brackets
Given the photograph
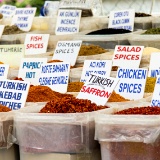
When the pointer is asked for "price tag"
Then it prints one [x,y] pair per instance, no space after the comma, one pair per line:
[13,93]
[67,51]
[99,67]
[98,89]
[156,94]
[30,69]
[55,76]
[68,21]
[127,56]
[1,30]
[23,18]
[132,83]
[36,43]
[7,10]
[154,67]
[123,19]
[4,68]
[12,54]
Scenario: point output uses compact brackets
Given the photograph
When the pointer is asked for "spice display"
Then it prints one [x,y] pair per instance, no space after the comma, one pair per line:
[74,86]
[4,108]
[150,83]
[152,31]
[91,50]
[43,94]
[12,30]
[70,105]
[141,110]
[138,14]
[116,98]
[109,31]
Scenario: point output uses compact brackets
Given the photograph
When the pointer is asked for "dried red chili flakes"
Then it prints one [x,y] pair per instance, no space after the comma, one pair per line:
[141,110]
[4,108]
[70,105]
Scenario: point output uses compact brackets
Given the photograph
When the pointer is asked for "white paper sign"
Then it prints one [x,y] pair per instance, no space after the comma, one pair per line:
[12,54]
[36,43]
[68,21]
[1,30]
[100,67]
[127,56]
[7,10]
[30,69]
[154,68]
[67,51]
[122,19]
[132,83]
[23,18]
[55,76]
[13,93]
[156,94]
[4,68]
[98,89]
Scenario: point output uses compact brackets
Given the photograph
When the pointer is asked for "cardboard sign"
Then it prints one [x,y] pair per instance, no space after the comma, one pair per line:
[36,43]
[55,76]
[13,93]
[12,54]
[1,30]
[23,18]
[7,10]
[68,22]
[156,94]
[123,19]
[98,89]
[30,69]
[99,67]
[154,67]
[4,68]
[127,56]
[67,51]
[132,83]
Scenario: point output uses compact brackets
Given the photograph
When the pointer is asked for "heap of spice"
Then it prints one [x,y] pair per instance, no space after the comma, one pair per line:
[150,83]
[1,15]
[138,14]
[70,105]
[141,110]
[4,108]
[116,98]
[43,94]
[53,61]
[152,31]
[114,68]
[12,30]
[91,49]
[74,86]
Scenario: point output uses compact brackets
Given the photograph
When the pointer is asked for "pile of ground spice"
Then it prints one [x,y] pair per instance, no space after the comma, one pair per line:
[43,94]
[91,49]
[152,31]
[74,86]
[138,14]
[53,61]
[1,15]
[114,68]
[116,98]
[4,108]
[12,30]
[150,84]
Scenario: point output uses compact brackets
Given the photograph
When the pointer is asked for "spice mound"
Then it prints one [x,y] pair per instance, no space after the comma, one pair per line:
[138,14]
[149,50]
[43,94]
[152,31]
[53,61]
[70,105]
[91,50]
[109,31]
[17,78]
[141,110]
[116,98]
[74,86]
[1,15]
[114,68]
[150,83]
[12,30]
[4,108]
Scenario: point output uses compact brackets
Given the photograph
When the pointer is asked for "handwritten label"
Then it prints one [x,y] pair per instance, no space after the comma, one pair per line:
[127,56]
[55,76]
[13,93]
[98,89]
[132,83]
[123,19]
[99,67]
[23,18]
[154,68]
[1,30]
[36,43]
[4,68]
[7,10]
[156,94]
[68,21]
[12,54]
[30,69]
[67,51]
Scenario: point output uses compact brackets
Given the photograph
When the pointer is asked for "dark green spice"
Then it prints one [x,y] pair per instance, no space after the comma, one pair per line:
[152,31]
